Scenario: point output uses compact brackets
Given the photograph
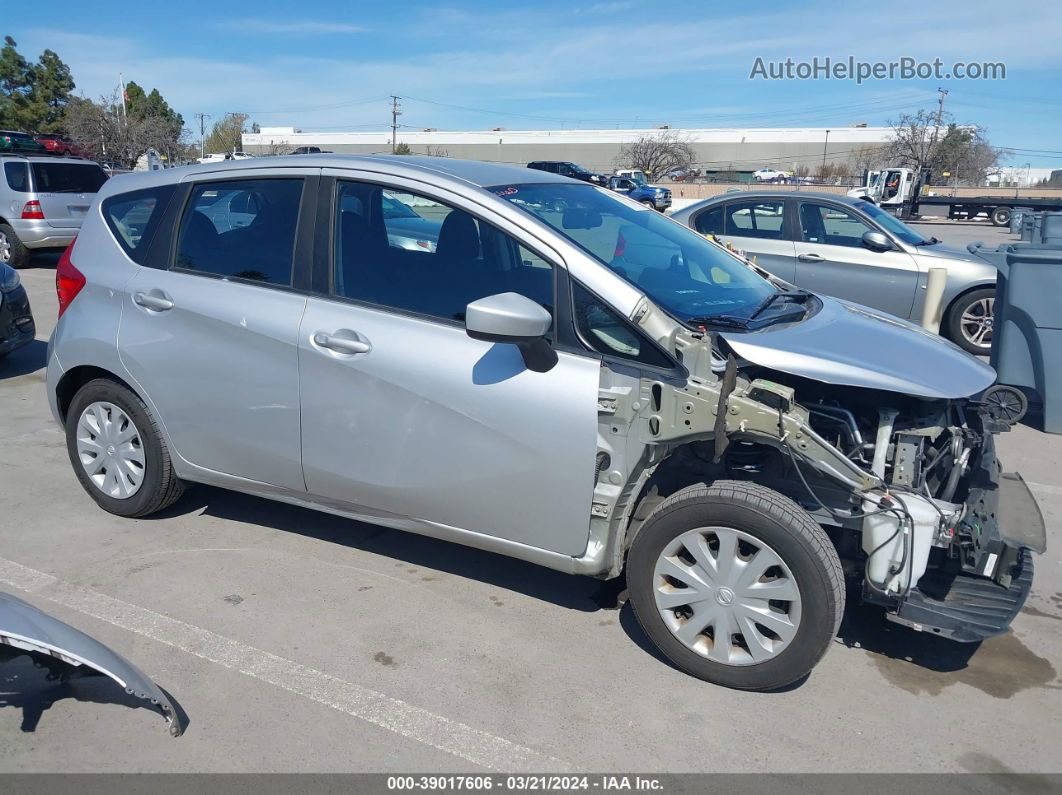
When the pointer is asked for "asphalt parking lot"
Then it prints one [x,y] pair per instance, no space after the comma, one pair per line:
[296,641]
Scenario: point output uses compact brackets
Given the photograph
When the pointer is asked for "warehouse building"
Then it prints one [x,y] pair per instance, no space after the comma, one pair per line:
[717,150]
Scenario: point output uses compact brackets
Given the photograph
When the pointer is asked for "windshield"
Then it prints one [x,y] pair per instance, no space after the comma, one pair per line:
[681,271]
[892,224]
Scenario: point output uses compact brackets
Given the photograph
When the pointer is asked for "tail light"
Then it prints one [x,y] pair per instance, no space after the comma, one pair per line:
[68,279]
[32,210]
[621,246]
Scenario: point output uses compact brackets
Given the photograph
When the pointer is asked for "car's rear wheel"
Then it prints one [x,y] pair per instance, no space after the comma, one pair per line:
[117,450]
[971,321]
[12,252]
[736,585]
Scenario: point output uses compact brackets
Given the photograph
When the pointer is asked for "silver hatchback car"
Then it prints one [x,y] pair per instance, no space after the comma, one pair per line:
[43,200]
[543,369]
[850,248]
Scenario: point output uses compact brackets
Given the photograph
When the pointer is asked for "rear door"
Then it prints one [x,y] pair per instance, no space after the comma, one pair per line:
[65,190]
[212,336]
[758,227]
[407,418]
[831,259]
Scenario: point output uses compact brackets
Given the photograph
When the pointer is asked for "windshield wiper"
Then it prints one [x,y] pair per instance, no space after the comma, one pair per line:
[774,297]
[731,321]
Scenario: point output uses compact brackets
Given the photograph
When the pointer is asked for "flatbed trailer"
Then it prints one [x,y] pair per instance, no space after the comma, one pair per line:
[997,208]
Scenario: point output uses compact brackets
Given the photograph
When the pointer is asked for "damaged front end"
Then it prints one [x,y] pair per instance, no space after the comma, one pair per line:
[907,486]
[65,651]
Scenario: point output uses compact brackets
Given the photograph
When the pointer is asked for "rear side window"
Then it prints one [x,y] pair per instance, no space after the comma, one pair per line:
[710,222]
[17,175]
[133,218]
[762,219]
[67,177]
[243,229]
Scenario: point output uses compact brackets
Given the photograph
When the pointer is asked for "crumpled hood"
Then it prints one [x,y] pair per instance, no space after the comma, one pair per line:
[24,627]
[852,345]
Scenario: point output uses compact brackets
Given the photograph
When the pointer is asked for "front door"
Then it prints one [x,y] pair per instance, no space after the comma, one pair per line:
[832,260]
[406,417]
[212,340]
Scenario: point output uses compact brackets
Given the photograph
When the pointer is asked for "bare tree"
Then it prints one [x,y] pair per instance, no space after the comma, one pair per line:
[102,129]
[227,135]
[865,158]
[915,138]
[657,155]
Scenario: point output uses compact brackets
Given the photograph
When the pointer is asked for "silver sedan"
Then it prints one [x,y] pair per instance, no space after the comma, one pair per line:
[852,249]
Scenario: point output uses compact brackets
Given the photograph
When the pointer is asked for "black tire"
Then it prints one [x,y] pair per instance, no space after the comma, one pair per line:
[1001,216]
[160,487]
[954,326]
[19,256]
[789,531]
[649,203]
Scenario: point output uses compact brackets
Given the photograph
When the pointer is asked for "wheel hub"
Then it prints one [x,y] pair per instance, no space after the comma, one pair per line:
[110,450]
[727,596]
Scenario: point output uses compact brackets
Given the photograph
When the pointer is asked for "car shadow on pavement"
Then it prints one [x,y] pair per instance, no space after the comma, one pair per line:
[865,627]
[571,592]
[31,689]
[28,359]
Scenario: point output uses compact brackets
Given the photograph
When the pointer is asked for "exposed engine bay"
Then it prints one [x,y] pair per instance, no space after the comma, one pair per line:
[907,487]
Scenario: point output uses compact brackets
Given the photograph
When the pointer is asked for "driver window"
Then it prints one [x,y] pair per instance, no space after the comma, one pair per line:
[413,253]
[822,223]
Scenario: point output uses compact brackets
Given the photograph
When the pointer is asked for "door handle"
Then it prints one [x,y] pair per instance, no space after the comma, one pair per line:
[343,341]
[811,257]
[154,300]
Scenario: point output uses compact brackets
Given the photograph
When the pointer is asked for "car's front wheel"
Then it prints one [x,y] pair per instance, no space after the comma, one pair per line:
[971,321]
[736,585]
[117,450]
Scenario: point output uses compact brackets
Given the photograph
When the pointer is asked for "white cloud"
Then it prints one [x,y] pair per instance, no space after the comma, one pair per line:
[287,26]
[485,58]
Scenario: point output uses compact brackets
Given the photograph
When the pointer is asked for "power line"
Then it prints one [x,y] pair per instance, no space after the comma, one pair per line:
[334,106]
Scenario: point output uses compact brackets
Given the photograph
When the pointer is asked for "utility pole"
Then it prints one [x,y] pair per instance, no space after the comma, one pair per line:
[202,132]
[824,143]
[396,111]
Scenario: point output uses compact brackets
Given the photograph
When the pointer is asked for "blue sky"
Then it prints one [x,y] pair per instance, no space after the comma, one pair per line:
[323,64]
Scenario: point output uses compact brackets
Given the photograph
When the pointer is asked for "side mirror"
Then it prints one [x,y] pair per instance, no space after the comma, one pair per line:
[876,241]
[517,320]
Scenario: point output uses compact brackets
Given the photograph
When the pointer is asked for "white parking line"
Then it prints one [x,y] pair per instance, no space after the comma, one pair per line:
[397,716]
[1044,488]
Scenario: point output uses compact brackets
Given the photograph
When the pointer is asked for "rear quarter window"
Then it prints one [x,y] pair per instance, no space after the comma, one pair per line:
[17,175]
[133,218]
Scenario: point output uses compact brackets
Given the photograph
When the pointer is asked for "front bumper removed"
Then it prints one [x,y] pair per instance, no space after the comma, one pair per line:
[982,600]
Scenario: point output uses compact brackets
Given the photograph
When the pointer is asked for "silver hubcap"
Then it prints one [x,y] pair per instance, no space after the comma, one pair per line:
[110,450]
[5,248]
[976,322]
[727,596]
